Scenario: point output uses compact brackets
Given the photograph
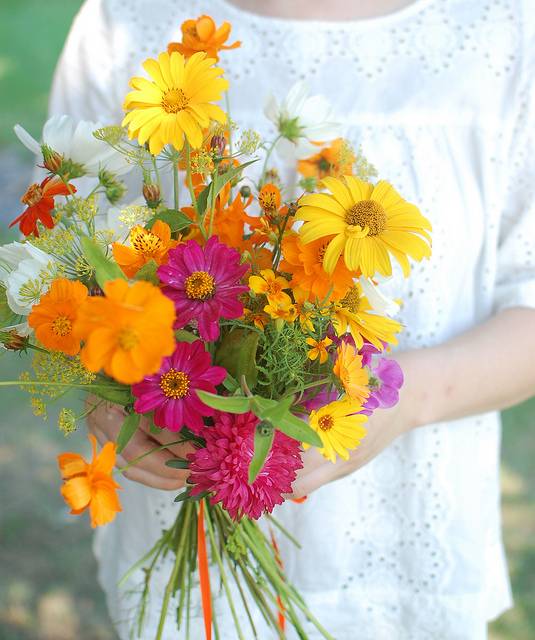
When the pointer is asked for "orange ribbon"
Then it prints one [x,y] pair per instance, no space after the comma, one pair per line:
[281,619]
[204,574]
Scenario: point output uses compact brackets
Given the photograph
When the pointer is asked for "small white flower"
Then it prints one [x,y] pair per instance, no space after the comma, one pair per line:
[26,273]
[77,142]
[301,120]
[378,301]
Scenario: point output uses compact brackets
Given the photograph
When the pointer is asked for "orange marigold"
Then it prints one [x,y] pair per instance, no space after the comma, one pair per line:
[54,317]
[202,35]
[145,246]
[90,484]
[127,331]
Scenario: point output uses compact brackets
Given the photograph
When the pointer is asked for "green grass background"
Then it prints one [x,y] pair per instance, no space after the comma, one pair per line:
[48,586]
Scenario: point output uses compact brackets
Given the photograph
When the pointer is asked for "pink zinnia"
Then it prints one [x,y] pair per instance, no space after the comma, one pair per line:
[203,284]
[171,391]
[223,466]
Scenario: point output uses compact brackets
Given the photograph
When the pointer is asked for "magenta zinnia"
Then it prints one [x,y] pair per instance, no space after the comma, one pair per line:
[222,467]
[203,284]
[172,391]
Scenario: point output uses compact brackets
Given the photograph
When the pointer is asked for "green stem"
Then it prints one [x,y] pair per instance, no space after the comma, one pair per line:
[190,186]
[264,168]
[148,453]
[175,181]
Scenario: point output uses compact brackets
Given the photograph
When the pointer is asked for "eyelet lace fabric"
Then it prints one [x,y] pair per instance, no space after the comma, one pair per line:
[440,97]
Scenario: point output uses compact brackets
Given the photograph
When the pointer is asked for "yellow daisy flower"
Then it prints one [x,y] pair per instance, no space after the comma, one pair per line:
[355,313]
[370,225]
[176,104]
[339,427]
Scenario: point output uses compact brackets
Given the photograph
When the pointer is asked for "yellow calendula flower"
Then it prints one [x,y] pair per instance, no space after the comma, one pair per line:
[370,223]
[339,427]
[177,103]
[348,367]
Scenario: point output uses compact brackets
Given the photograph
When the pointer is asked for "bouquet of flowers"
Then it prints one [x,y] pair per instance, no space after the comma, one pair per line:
[249,322]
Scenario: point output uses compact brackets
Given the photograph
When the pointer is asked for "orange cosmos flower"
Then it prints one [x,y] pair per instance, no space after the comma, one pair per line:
[90,485]
[319,349]
[269,284]
[327,162]
[146,246]
[54,317]
[40,201]
[269,199]
[305,263]
[128,331]
[348,367]
[202,35]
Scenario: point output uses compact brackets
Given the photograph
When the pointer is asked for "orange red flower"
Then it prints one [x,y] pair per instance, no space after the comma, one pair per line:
[145,246]
[54,317]
[127,331]
[90,484]
[40,201]
[202,35]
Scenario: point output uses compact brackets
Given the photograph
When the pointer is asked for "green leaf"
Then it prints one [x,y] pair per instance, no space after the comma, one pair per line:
[263,439]
[206,194]
[177,463]
[185,336]
[130,425]
[285,421]
[237,353]
[182,497]
[172,217]
[104,268]
[232,404]
[117,396]
[149,273]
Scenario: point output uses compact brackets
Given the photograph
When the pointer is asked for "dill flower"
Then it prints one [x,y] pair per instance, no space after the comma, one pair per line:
[202,35]
[145,246]
[370,224]
[177,103]
[222,467]
[348,367]
[127,331]
[40,202]
[171,391]
[203,284]
[54,317]
[340,428]
[90,484]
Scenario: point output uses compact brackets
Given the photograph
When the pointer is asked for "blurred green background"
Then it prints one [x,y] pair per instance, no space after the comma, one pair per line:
[48,586]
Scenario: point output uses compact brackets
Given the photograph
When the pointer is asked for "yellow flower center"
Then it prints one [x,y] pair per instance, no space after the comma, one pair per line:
[148,244]
[368,213]
[325,422]
[268,202]
[127,339]
[174,101]
[200,285]
[61,326]
[321,253]
[351,301]
[175,384]
[33,195]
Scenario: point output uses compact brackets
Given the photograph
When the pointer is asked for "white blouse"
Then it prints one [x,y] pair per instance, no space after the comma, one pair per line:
[440,97]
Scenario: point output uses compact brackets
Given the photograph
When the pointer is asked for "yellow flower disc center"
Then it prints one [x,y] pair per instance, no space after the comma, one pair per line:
[321,253]
[175,384]
[325,422]
[200,285]
[147,244]
[368,213]
[33,195]
[61,326]
[174,101]
[268,202]
[127,339]
[351,301]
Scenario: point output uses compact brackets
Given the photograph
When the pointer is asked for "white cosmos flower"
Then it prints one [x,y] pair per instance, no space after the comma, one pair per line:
[121,220]
[26,273]
[77,142]
[378,301]
[302,120]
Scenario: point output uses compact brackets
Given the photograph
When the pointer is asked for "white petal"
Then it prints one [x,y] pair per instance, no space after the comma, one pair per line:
[295,101]
[379,302]
[271,108]
[27,140]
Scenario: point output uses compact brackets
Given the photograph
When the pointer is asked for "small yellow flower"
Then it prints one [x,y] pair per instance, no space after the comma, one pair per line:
[319,349]
[270,285]
[282,311]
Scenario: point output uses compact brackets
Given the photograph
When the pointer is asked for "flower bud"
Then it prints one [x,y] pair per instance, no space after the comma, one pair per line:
[13,341]
[52,161]
[218,144]
[152,195]
[245,191]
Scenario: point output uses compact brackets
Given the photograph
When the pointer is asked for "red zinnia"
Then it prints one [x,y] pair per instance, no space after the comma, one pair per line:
[222,466]
[40,201]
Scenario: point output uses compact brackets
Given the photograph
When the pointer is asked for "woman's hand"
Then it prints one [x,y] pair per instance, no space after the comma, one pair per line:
[105,423]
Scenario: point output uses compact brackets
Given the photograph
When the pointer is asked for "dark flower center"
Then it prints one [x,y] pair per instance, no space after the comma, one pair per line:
[326,422]
[351,300]
[33,195]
